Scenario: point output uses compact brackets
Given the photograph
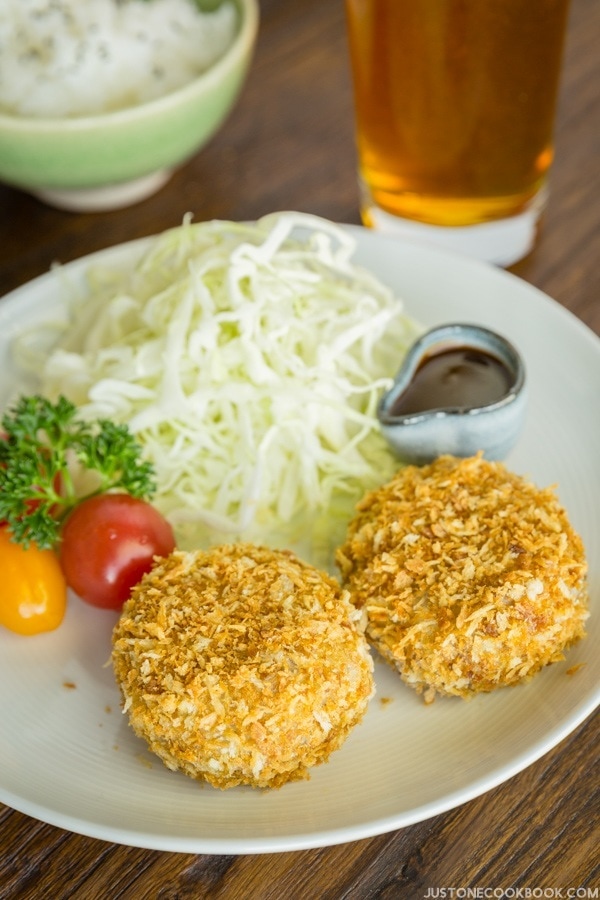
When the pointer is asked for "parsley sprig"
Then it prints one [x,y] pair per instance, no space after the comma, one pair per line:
[43,444]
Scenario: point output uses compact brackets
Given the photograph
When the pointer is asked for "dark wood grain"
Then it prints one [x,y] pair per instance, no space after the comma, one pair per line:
[289,144]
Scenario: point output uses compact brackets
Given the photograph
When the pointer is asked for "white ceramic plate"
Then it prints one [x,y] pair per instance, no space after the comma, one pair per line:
[68,757]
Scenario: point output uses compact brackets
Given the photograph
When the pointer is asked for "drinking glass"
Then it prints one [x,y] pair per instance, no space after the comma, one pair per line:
[455,104]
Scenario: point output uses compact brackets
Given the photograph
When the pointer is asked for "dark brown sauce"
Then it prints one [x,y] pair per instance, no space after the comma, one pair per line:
[457,377]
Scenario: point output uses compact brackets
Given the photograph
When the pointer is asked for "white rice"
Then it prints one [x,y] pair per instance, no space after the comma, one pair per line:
[81,57]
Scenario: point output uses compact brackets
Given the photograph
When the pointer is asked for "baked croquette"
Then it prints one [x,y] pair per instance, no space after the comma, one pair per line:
[241,665]
[471,577]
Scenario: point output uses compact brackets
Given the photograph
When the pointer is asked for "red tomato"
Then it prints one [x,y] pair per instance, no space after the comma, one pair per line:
[108,542]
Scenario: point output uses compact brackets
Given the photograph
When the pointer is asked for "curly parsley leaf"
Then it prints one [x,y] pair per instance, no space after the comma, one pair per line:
[43,442]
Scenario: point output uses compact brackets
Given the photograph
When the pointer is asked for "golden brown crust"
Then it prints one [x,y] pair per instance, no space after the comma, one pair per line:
[471,577]
[241,665]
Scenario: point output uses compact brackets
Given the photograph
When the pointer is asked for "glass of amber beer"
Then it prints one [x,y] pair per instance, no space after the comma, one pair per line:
[455,104]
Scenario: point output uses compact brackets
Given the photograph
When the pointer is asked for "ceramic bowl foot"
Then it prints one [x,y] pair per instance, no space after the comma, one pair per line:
[102,199]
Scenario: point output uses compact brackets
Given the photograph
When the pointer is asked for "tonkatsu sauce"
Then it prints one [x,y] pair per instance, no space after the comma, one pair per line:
[456,377]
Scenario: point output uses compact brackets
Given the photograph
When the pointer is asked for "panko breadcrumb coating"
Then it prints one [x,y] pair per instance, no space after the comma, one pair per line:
[241,665]
[471,577]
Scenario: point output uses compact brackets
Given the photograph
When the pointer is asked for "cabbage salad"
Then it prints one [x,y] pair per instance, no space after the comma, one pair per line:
[248,360]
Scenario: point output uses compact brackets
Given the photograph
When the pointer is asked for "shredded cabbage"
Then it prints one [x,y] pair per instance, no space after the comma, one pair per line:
[248,360]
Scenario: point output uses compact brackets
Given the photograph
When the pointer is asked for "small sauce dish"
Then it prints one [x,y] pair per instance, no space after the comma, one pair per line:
[460,390]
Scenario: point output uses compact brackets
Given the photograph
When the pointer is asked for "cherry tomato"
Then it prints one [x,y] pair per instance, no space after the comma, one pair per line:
[33,592]
[107,543]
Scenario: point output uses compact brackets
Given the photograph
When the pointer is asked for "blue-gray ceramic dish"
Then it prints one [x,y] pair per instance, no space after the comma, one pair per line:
[460,430]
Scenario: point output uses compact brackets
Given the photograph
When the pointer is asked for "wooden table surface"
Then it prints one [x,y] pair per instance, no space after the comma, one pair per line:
[289,144]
